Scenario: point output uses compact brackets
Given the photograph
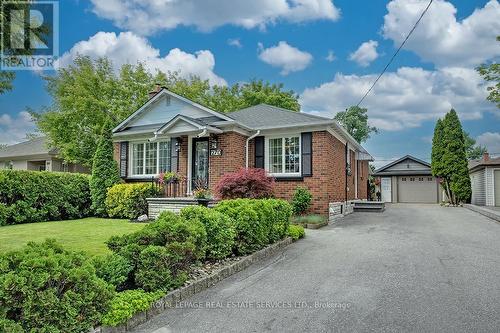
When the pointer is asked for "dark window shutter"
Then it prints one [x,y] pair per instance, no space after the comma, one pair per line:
[123,159]
[307,169]
[259,152]
[174,155]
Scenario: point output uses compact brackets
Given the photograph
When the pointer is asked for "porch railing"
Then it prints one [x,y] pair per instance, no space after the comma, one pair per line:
[172,189]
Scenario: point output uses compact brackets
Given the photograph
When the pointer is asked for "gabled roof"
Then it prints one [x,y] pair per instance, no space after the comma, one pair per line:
[383,170]
[478,164]
[265,116]
[199,124]
[164,91]
[36,146]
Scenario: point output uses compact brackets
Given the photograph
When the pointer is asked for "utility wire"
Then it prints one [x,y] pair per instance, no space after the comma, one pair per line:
[396,53]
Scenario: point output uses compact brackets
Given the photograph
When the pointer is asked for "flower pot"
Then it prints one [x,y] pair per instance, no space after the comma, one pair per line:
[203,202]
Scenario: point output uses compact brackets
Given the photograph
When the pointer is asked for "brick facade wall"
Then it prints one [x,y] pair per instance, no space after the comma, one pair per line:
[232,159]
[327,184]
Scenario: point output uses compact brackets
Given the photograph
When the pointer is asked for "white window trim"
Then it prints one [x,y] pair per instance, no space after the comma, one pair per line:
[131,158]
[266,155]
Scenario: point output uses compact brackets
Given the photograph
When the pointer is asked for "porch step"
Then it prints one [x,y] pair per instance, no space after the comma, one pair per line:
[158,205]
[369,206]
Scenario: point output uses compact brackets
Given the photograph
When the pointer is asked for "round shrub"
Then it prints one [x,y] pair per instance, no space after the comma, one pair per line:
[9,326]
[114,269]
[246,183]
[125,304]
[220,232]
[153,270]
[296,232]
[45,288]
[251,231]
[301,200]
[129,200]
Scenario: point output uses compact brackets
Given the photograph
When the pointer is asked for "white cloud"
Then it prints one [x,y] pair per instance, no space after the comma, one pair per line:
[127,47]
[235,42]
[365,54]
[491,141]
[14,129]
[440,38]
[288,58]
[331,56]
[147,17]
[405,98]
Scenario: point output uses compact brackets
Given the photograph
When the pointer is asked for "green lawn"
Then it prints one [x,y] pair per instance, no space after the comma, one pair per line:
[87,234]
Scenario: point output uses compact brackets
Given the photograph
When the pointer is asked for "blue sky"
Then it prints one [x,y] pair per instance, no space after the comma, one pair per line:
[289,41]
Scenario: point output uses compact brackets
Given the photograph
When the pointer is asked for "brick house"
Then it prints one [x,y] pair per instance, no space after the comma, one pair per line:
[172,133]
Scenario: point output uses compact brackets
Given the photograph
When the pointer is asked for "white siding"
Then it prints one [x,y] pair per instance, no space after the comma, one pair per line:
[408,165]
[478,182]
[162,111]
[490,190]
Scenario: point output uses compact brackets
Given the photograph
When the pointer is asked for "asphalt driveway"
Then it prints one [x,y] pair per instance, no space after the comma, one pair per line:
[411,268]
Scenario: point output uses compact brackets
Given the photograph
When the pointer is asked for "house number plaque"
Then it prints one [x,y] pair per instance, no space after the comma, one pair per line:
[215,152]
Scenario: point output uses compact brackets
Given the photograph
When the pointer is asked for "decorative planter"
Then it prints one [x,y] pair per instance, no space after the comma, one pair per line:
[203,202]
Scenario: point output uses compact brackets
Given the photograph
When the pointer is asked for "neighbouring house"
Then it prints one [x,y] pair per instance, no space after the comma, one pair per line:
[485,181]
[409,180]
[35,155]
[172,133]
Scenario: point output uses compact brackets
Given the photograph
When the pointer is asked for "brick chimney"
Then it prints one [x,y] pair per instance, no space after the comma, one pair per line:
[156,90]
[486,157]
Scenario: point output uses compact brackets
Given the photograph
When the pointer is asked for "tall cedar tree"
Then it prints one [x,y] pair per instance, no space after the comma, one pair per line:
[104,171]
[454,159]
[437,165]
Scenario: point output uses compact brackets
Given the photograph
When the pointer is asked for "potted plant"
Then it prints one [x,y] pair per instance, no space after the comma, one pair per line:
[170,181]
[201,193]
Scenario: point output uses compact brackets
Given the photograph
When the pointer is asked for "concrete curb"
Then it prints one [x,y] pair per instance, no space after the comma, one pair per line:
[168,301]
[484,211]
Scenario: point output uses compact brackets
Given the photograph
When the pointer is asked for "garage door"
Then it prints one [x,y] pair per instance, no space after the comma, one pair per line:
[496,182]
[417,189]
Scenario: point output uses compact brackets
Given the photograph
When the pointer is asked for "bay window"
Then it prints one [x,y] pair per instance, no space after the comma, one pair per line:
[284,156]
[150,158]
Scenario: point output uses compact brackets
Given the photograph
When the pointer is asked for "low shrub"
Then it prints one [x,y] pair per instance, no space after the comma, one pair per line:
[308,219]
[296,232]
[33,196]
[246,183]
[9,326]
[301,200]
[129,200]
[162,251]
[114,269]
[44,288]
[220,232]
[125,304]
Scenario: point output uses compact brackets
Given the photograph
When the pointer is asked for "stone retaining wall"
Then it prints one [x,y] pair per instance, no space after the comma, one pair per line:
[158,205]
[338,210]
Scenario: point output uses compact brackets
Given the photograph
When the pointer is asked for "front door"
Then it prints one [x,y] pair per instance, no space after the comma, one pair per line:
[386,189]
[200,163]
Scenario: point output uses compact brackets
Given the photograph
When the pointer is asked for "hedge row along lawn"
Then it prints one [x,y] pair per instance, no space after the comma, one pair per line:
[89,234]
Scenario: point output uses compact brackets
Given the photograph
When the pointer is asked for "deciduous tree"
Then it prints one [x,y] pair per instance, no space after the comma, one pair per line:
[355,121]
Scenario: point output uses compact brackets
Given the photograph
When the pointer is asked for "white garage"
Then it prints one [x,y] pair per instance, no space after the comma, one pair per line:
[408,180]
[485,181]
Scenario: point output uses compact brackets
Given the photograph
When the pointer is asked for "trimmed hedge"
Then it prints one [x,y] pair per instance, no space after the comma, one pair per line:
[44,288]
[34,196]
[256,222]
[220,231]
[129,200]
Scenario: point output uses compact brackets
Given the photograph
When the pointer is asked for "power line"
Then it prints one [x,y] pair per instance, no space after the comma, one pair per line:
[396,53]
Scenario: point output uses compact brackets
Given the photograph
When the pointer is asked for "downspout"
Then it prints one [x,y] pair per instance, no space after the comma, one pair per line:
[246,146]
[346,163]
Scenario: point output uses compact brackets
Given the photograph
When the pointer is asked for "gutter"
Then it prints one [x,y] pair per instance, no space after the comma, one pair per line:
[246,146]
